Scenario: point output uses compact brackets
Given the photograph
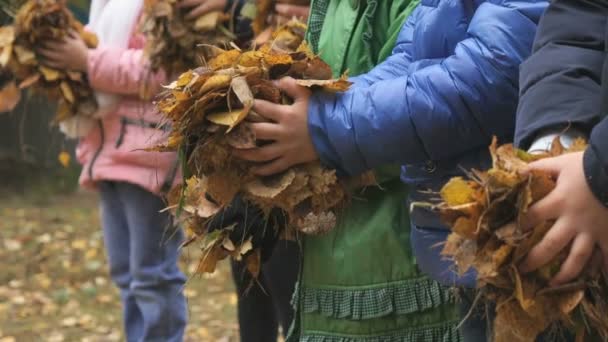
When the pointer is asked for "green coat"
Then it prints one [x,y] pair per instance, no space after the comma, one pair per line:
[360,283]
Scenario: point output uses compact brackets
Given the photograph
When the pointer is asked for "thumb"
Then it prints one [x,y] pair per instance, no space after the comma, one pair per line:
[551,165]
[291,88]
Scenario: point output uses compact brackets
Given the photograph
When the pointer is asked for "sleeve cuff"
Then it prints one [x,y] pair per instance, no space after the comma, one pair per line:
[318,134]
[596,175]
[544,141]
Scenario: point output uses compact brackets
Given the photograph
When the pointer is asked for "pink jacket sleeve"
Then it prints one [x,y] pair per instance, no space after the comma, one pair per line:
[122,71]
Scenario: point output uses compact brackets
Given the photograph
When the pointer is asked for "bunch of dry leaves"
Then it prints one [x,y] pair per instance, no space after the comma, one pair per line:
[478,211]
[175,43]
[210,111]
[35,22]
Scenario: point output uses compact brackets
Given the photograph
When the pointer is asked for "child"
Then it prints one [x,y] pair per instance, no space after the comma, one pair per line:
[142,251]
[263,303]
[564,92]
[360,282]
[432,106]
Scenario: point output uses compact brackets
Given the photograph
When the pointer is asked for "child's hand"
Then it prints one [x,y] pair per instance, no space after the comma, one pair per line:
[291,143]
[71,53]
[581,221]
[288,11]
[201,7]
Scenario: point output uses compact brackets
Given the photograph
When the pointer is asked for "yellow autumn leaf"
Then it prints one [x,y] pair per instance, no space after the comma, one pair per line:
[457,192]
[5,55]
[230,119]
[7,36]
[24,55]
[49,74]
[64,159]
[67,92]
[215,82]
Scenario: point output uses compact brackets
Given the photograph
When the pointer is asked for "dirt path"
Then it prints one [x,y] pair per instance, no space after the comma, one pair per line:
[54,283]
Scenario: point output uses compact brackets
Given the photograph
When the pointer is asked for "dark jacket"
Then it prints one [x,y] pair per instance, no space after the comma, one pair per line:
[565,83]
[434,105]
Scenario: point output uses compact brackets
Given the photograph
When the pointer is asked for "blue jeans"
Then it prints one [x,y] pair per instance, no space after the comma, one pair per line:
[143,252]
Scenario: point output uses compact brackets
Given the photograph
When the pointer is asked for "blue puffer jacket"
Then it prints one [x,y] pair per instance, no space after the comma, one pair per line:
[433,106]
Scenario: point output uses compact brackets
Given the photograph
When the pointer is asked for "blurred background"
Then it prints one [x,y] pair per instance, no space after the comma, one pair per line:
[54,284]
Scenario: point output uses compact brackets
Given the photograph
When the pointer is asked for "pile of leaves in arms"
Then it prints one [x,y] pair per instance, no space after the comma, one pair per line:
[174,43]
[478,211]
[38,21]
[210,112]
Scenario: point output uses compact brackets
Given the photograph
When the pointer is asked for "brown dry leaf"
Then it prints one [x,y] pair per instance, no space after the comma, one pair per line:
[271,187]
[578,145]
[336,85]
[317,224]
[512,324]
[525,290]
[570,301]
[242,137]
[210,258]
[9,97]
[223,187]
[254,263]
[466,227]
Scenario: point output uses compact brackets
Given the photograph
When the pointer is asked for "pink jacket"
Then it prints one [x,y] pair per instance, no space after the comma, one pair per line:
[113,150]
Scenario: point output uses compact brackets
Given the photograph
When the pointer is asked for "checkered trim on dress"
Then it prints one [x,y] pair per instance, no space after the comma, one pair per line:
[318,10]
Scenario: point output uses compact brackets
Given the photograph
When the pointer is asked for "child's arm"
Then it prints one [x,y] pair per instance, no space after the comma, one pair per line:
[560,82]
[561,87]
[122,71]
[438,111]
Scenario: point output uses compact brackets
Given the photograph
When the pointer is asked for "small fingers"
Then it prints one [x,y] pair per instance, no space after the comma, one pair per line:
[274,167]
[266,131]
[188,3]
[548,208]
[269,110]
[551,165]
[558,237]
[295,91]
[580,253]
[260,154]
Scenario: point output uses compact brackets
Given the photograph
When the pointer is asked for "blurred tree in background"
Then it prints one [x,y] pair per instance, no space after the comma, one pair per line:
[29,145]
